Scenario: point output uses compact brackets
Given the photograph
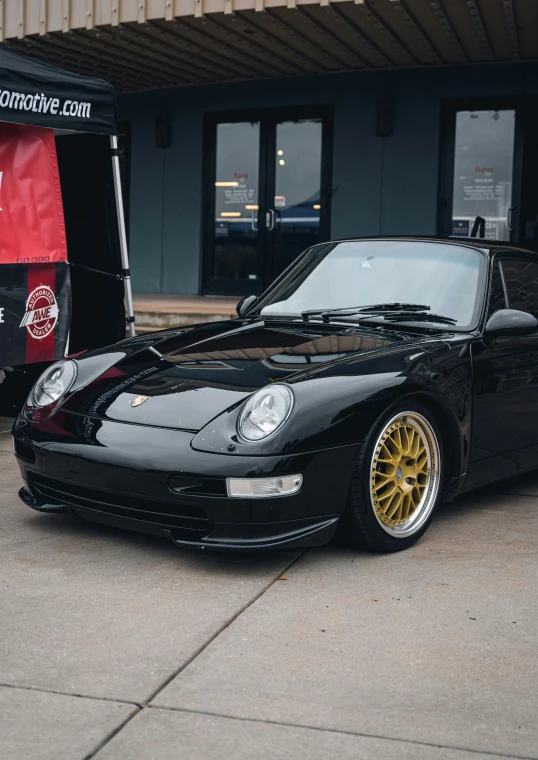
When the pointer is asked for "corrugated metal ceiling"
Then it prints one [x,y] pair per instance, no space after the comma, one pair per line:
[146,44]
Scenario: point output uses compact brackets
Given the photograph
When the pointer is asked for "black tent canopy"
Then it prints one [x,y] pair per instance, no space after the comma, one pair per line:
[40,95]
[83,109]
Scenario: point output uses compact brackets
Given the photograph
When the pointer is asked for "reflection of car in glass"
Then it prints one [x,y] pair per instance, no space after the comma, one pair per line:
[371,380]
[304,215]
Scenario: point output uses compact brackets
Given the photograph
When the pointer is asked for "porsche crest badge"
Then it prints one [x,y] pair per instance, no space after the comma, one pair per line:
[139,400]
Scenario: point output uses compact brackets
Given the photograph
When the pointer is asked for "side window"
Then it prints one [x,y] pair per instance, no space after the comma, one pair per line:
[521,279]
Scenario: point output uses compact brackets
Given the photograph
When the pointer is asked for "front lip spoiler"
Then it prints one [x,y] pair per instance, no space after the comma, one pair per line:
[314,534]
[318,533]
[29,500]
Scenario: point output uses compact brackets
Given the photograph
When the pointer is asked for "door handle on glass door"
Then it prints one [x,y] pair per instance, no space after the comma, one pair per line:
[509,219]
[254,221]
[270,220]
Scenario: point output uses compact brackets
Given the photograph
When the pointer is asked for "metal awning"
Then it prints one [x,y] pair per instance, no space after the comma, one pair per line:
[146,44]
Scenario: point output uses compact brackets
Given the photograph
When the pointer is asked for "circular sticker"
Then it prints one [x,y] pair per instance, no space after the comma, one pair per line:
[41,312]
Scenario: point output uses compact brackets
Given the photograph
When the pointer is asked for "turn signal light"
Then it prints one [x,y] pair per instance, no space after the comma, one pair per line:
[263,488]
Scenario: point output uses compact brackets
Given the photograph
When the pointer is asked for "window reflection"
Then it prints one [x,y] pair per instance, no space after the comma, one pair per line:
[483,165]
[297,187]
[236,201]
[444,277]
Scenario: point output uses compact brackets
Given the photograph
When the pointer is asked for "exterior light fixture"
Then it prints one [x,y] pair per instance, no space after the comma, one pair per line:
[265,412]
[280,152]
[281,162]
[260,488]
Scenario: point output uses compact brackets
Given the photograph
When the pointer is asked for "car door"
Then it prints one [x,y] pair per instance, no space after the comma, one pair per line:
[505,380]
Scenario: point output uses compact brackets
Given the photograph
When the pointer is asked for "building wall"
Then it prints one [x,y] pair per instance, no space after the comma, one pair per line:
[380,185]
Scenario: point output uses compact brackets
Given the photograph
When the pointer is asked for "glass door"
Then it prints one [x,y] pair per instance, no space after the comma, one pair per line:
[234,232]
[267,191]
[295,179]
[482,184]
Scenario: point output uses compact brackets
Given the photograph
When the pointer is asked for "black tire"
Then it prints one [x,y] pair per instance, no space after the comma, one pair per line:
[361,526]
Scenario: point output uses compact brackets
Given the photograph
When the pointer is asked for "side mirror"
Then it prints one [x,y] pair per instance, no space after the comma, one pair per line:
[510,322]
[244,305]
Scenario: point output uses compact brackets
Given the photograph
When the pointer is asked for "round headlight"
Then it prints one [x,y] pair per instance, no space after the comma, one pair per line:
[53,384]
[265,412]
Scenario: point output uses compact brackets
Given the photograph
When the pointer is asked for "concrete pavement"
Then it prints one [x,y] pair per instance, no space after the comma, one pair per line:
[115,645]
[5,424]
[40,725]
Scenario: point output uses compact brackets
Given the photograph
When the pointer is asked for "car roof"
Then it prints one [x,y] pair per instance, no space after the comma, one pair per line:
[488,246]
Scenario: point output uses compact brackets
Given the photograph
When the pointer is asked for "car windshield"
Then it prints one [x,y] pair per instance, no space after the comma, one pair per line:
[357,273]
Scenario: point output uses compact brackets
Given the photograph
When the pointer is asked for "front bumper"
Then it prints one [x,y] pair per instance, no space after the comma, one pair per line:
[151,480]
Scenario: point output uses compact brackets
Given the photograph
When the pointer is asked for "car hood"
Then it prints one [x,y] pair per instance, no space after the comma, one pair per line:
[206,370]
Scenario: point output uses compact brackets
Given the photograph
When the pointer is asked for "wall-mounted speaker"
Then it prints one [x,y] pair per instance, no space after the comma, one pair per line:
[163,131]
[384,123]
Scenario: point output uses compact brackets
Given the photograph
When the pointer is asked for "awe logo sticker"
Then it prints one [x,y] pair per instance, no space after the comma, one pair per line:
[41,312]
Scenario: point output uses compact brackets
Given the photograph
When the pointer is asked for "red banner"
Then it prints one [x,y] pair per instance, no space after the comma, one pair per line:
[32,229]
[35,312]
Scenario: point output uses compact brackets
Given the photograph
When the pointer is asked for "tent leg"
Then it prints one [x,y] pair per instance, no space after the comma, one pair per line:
[123,235]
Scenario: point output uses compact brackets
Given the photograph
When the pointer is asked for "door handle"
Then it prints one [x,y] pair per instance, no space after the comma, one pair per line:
[509,219]
[270,220]
[254,221]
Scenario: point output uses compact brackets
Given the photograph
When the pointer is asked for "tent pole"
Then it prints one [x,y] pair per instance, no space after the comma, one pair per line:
[123,235]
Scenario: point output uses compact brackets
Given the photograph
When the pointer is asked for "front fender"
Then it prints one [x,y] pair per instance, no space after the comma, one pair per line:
[336,409]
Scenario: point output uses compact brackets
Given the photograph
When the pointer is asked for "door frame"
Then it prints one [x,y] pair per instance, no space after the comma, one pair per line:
[447,149]
[267,117]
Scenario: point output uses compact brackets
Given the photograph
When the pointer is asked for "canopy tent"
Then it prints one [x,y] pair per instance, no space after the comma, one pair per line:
[81,111]
[40,95]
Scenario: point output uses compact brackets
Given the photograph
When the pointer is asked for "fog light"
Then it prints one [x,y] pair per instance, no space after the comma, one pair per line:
[260,488]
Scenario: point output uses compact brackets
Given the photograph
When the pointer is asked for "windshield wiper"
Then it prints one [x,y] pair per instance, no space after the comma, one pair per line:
[395,306]
[411,313]
[417,316]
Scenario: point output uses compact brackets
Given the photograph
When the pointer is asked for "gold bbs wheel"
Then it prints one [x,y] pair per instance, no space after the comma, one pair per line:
[405,474]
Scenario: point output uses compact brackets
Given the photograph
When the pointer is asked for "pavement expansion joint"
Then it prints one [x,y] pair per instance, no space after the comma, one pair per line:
[111,735]
[70,694]
[142,707]
[324,729]
[225,625]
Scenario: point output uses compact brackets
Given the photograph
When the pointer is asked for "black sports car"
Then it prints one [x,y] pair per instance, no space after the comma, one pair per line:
[374,378]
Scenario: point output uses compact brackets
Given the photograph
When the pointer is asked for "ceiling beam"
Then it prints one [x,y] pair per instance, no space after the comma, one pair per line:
[259,23]
[264,52]
[332,38]
[510,18]
[337,10]
[53,53]
[480,29]
[410,21]
[439,11]
[272,19]
[297,31]
[197,46]
[115,46]
[194,59]
[369,13]
[214,31]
